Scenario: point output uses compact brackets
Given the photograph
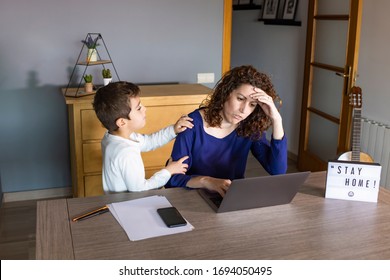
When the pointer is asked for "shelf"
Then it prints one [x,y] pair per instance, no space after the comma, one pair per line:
[281,22]
[76,92]
[246,7]
[99,62]
[102,58]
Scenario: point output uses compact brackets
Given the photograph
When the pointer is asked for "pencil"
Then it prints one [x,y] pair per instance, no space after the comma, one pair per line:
[91,214]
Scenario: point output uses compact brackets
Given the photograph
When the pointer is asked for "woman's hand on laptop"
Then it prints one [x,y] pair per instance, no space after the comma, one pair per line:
[210,183]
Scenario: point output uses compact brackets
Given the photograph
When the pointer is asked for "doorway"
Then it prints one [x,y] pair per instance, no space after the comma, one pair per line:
[332,45]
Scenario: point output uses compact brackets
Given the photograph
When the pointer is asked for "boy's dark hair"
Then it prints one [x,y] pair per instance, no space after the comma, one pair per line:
[112,102]
[257,121]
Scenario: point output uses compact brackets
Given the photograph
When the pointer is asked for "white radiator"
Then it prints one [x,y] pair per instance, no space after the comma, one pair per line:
[375,141]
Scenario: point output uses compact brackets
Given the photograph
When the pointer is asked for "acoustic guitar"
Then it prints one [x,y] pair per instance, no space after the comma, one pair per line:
[355,100]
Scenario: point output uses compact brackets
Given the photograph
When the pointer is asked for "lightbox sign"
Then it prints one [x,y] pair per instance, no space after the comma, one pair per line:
[353,181]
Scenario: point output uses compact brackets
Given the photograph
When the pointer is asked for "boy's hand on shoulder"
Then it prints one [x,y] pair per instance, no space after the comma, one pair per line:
[183,123]
[177,167]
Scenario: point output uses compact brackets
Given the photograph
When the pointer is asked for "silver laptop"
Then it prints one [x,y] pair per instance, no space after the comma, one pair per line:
[256,192]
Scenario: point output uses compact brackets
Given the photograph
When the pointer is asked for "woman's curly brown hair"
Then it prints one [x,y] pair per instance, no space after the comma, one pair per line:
[257,122]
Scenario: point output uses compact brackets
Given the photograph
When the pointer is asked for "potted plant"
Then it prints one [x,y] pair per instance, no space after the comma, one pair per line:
[91,44]
[107,77]
[88,83]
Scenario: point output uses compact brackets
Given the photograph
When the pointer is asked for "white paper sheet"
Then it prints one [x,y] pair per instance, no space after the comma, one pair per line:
[140,220]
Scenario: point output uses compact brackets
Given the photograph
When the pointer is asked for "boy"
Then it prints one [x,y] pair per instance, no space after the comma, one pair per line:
[119,109]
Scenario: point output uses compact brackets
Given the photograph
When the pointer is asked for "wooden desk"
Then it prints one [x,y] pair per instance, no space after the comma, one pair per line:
[165,104]
[310,227]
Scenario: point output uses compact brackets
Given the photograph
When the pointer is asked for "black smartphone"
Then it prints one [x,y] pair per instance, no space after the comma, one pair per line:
[171,217]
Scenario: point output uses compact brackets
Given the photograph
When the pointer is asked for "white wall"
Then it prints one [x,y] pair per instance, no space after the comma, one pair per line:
[280,52]
[374,60]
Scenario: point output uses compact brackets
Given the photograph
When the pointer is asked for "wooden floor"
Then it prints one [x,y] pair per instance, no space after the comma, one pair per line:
[18,219]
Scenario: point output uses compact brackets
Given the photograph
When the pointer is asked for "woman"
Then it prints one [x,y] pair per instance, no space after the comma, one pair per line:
[231,122]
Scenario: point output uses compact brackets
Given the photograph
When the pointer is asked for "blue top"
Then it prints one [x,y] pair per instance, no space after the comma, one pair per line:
[224,158]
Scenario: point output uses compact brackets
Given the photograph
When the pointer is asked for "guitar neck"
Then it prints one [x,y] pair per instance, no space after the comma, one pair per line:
[356,131]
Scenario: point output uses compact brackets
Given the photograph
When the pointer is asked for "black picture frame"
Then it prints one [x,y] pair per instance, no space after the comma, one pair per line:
[242,2]
[290,9]
[270,10]
[247,4]
[260,4]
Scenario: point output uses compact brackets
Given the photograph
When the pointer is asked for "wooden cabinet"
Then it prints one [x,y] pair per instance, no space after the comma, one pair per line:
[164,103]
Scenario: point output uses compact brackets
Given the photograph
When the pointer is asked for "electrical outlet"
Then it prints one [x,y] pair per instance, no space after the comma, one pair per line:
[205,78]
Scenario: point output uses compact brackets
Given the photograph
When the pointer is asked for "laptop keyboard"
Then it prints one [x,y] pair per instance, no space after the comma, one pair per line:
[216,200]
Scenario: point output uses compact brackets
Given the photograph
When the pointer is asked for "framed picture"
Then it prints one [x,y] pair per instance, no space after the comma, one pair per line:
[279,15]
[258,2]
[260,6]
[243,2]
[270,9]
[290,8]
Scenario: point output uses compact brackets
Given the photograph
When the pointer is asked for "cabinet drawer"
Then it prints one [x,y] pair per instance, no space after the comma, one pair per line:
[157,118]
[92,157]
[149,172]
[93,185]
[91,127]
[158,157]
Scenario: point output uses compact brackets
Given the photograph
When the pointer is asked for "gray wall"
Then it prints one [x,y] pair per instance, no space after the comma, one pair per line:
[149,41]
[280,52]
[1,192]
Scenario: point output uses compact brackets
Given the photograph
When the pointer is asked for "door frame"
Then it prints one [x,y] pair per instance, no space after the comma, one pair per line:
[227,34]
[307,160]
